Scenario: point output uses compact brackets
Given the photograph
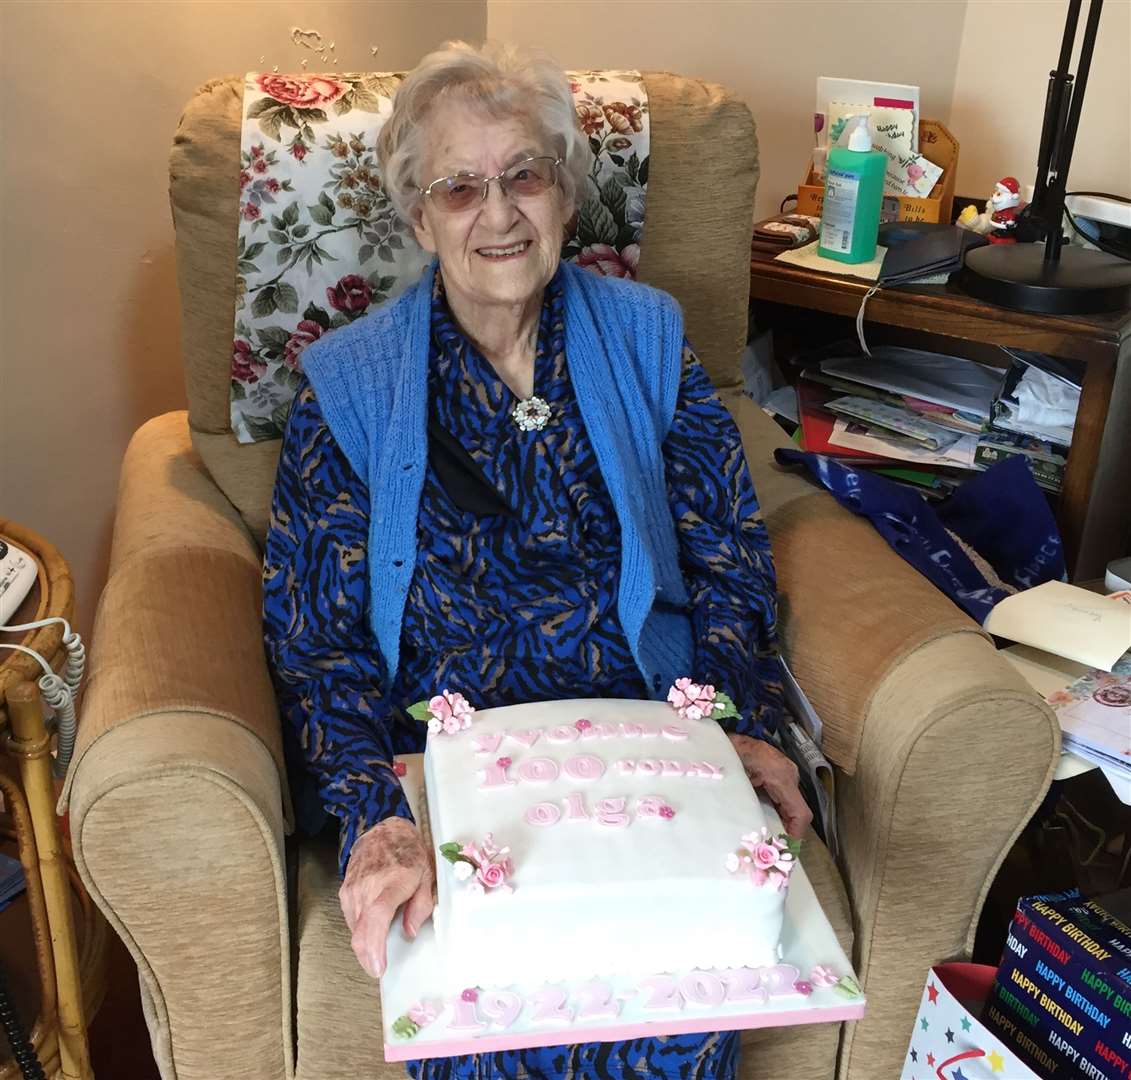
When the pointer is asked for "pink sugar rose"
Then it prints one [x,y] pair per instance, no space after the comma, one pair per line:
[492,875]
[802,987]
[470,994]
[765,856]
[451,725]
[422,1013]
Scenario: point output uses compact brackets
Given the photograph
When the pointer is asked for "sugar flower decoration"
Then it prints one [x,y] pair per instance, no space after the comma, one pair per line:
[822,975]
[484,867]
[693,701]
[422,1013]
[768,860]
[445,714]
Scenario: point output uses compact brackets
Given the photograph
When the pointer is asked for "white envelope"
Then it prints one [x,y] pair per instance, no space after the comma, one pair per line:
[1064,619]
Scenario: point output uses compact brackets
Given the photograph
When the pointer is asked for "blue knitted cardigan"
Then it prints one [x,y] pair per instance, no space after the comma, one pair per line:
[624,344]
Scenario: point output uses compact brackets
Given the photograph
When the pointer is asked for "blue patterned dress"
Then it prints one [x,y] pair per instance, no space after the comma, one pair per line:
[513,599]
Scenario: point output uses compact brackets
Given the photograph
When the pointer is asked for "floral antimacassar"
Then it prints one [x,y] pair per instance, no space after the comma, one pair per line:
[769,860]
[485,866]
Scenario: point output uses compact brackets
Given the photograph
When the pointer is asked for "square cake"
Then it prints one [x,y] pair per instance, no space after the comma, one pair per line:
[588,838]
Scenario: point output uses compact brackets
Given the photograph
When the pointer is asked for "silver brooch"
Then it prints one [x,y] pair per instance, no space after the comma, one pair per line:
[531,414]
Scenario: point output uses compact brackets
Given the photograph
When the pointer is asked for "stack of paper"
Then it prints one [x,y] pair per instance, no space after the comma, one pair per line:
[11,880]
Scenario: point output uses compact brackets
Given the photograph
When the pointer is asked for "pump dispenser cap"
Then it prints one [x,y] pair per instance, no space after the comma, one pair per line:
[860,140]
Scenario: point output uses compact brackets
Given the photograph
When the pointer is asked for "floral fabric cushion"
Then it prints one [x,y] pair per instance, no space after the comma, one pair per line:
[320,244]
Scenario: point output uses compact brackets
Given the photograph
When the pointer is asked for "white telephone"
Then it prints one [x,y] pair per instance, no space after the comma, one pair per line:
[17,576]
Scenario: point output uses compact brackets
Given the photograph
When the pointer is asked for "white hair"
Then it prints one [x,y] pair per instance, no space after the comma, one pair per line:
[500,80]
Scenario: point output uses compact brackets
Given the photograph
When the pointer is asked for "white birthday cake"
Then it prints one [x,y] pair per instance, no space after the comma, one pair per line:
[588,838]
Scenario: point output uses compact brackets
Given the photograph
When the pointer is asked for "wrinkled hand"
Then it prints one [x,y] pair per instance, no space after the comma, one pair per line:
[769,769]
[388,866]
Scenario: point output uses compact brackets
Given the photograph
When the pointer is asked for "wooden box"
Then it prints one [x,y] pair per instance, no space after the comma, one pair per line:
[937,145]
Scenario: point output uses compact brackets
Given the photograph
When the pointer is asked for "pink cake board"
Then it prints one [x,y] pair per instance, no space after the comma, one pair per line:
[411,977]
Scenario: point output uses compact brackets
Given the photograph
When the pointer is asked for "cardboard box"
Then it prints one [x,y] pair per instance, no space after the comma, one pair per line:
[1062,996]
[937,145]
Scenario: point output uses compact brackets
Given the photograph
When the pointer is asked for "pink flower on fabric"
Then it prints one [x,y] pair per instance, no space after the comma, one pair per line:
[259,165]
[307,331]
[765,856]
[304,91]
[822,975]
[608,262]
[246,366]
[245,178]
[251,212]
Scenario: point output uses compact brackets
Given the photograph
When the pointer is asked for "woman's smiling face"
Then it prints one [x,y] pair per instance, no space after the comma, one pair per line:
[502,250]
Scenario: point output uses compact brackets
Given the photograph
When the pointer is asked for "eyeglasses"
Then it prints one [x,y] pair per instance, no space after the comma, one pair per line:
[526,178]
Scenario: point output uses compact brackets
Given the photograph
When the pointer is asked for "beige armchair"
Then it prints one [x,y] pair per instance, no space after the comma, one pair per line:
[178,797]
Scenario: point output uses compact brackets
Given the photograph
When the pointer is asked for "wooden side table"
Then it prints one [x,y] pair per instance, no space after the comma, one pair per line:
[54,927]
[1094,509]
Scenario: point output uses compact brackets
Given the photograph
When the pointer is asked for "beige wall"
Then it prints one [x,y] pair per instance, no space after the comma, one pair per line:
[91,96]
[999,95]
[768,51]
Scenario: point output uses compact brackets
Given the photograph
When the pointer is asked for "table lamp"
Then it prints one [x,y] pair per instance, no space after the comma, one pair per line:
[1049,278]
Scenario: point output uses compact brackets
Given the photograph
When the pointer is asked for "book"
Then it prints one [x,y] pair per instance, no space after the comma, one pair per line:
[817,424]
[899,420]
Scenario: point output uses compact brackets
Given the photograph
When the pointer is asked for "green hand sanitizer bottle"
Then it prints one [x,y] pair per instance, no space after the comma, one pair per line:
[854,190]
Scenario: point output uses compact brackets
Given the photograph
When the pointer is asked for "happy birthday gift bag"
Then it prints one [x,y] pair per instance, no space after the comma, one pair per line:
[949,1041]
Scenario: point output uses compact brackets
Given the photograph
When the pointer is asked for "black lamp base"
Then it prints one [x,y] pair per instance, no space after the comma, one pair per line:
[1015,276]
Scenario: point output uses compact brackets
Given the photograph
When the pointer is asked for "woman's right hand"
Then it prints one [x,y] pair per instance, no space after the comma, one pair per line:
[388,866]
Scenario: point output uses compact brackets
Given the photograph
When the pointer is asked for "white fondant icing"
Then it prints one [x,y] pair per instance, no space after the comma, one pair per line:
[612,895]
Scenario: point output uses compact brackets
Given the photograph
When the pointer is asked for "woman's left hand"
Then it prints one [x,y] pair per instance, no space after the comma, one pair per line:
[768,768]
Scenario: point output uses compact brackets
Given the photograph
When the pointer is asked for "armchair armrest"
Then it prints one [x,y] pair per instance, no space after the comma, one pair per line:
[177,793]
[943,752]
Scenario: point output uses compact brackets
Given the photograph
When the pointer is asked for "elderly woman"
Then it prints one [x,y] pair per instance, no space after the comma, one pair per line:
[514,480]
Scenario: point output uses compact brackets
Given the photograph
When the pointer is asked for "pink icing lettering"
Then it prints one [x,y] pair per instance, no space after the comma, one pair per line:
[495,775]
[487,744]
[705,769]
[465,1016]
[563,733]
[550,1004]
[602,731]
[584,767]
[663,991]
[674,732]
[501,1007]
[575,807]
[626,765]
[538,770]
[779,980]
[597,1002]
[611,812]
[526,736]
[632,731]
[703,988]
[542,814]
[673,768]
[744,984]
[649,767]
[650,806]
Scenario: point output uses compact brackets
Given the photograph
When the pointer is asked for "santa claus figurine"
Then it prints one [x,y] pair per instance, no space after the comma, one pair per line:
[1005,207]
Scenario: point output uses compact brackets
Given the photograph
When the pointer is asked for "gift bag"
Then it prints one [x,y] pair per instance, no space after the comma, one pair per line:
[949,1041]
